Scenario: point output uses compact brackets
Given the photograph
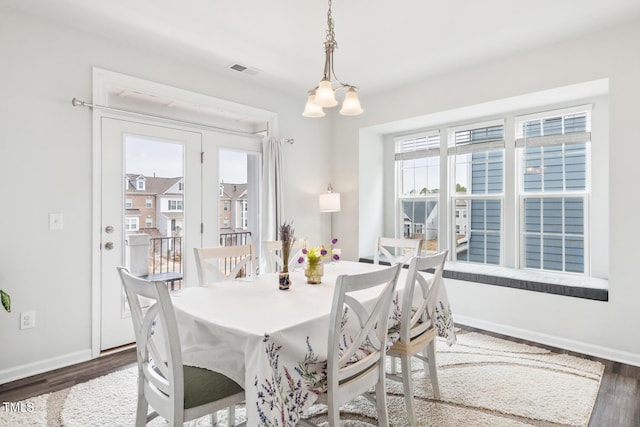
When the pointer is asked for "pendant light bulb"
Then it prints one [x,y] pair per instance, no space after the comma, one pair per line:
[351,104]
[325,95]
[311,109]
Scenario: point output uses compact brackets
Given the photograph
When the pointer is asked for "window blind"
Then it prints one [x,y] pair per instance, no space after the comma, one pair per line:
[418,146]
[475,140]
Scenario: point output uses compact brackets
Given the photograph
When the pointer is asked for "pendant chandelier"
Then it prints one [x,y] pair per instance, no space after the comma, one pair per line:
[324,95]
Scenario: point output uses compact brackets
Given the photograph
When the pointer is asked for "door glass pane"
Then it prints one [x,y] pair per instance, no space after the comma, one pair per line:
[154,212]
[234,202]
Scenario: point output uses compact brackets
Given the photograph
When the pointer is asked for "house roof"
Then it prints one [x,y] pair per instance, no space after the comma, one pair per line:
[153,185]
[234,191]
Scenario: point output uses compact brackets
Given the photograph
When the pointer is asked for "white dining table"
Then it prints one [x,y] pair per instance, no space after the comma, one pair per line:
[272,342]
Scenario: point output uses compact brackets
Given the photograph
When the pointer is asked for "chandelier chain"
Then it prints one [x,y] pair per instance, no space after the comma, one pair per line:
[331,36]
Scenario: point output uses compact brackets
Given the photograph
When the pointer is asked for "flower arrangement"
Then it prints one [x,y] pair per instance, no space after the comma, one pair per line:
[287,236]
[314,255]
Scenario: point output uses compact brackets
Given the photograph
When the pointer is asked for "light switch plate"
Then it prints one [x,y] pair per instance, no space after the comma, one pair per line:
[55,221]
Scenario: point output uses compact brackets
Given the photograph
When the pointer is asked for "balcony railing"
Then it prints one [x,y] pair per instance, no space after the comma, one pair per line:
[165,256]
[165,260]
[235,239]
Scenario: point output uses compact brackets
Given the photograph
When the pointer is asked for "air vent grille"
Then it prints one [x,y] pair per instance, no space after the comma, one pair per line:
[244,69]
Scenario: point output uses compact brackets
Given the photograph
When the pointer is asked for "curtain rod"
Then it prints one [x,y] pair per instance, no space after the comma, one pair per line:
[78,103]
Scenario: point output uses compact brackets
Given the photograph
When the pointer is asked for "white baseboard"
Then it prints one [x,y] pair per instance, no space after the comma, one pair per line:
[34,368]
[552,340]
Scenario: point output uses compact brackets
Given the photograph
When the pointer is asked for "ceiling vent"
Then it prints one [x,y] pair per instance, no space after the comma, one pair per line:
[244,69]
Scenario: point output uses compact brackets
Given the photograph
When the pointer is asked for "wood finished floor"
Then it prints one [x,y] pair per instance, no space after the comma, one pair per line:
[617,405]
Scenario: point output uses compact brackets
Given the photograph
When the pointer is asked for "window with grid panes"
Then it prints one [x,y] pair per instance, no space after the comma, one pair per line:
[418,187]
[476,154]
[554,148]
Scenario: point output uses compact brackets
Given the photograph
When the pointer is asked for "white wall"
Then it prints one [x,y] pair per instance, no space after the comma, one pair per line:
[608,329]
[45,166]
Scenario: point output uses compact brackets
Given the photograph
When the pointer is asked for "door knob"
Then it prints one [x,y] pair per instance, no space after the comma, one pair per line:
[108,246]
[108,229]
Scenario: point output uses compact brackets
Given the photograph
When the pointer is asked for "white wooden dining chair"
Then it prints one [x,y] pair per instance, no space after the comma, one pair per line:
[224,263]
[417,329]
[396,250]
[176,392]
[357,364]
[273,251]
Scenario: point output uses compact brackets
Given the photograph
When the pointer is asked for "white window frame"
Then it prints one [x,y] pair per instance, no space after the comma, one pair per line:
[512,196]
[585,194]
[131,223]
[174,205]
[452,151]
[426,198]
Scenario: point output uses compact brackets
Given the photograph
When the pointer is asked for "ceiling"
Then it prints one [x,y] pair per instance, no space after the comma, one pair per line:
[382,43]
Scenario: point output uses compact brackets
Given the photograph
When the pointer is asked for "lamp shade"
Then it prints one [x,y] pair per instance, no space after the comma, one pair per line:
[329,202]
[325,95]
[351,104]
[311,109]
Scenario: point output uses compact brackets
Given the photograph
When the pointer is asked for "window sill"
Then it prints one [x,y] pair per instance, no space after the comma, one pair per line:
[536,281]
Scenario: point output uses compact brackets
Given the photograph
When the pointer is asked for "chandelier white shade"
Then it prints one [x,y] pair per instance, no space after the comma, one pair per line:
[312,109]
[324,95]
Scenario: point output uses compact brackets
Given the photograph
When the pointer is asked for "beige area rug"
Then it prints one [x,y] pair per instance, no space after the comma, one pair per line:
[484,381]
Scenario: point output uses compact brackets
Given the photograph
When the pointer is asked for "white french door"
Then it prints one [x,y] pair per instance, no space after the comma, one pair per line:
[151,186]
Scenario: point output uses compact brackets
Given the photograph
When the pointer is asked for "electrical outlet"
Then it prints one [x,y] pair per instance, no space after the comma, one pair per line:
[28,320]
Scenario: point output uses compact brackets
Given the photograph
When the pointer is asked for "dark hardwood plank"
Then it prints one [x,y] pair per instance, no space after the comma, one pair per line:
[62,378]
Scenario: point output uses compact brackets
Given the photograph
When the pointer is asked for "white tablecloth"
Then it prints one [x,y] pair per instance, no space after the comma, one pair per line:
[271,342]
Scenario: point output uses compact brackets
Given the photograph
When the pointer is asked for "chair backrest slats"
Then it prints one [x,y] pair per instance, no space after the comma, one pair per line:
[420,295]
[157,341]
[224,263]
[357,334]
[273,250]
[388,248]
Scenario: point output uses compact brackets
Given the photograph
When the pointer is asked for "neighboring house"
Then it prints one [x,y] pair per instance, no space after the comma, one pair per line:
[153,205]
[233,208]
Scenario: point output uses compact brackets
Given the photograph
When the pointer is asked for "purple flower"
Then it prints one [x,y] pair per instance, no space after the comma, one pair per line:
[304,251]
[336,257]
[334,241]
[323,252]
[300,260]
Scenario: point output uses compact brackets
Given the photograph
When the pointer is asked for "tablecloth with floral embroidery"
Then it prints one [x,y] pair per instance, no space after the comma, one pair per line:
[273,342]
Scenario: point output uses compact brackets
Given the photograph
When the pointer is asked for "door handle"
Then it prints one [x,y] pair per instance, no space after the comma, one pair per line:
[108,246]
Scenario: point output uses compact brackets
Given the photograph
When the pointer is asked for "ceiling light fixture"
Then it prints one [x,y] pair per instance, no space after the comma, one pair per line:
[324,95]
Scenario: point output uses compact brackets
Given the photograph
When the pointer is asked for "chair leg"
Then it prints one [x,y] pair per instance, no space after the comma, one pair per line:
[333,414]
[394,365]
[232,416]
[381,398]
[433,373]
[143,405]
[407,387]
